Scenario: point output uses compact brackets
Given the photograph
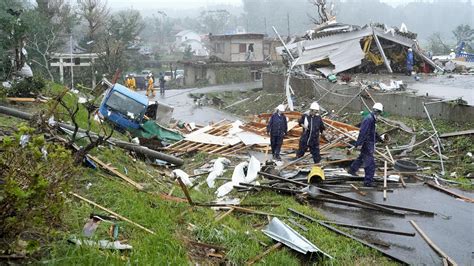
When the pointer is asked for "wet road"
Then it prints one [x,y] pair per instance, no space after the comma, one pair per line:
[445,87]
[452,229]
[186,110]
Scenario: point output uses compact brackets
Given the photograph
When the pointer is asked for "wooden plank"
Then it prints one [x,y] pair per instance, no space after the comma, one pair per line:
[113,213]
[185,190]
[433,245]
[449,192]
[457,133]
[266,252]
[385,180]
[115,172]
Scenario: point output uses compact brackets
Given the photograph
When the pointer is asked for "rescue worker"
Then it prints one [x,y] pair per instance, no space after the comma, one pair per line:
[366,140]
[150,89]
[133,82]
[162,84]
[410,61]
[277,128]
[127,81]
[313,125]
[452,54]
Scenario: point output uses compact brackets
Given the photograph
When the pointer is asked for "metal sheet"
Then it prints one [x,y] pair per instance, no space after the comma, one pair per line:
[281,232]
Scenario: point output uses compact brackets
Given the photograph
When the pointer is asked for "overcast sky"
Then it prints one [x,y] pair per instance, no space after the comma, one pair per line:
[177,4]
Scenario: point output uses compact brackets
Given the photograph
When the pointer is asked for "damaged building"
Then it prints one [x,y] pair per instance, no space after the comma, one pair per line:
[234,58]
[337,47]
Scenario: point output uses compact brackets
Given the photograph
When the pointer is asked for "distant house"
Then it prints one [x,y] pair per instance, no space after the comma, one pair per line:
[186,35]
[188,38]
[237,47]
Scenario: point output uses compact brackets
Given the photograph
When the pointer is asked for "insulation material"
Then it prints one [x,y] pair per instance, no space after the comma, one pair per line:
[211,139]
[184,177]
[239,176]
[217,170]
[249,138]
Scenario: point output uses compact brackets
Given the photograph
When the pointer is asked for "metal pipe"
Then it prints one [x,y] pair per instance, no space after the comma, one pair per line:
[437,139]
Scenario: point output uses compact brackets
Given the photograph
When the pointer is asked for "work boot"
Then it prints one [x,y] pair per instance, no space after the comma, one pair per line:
[369,184]
[352,173]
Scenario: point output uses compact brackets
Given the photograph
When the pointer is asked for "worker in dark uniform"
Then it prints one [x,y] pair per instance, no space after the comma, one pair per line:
[366,140]
[313,125]
[410,61]
[277,128]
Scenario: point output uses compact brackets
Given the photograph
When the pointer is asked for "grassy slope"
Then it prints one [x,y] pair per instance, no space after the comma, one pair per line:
[172,221]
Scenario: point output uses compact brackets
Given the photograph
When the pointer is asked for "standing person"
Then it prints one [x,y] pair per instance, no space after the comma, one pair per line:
[313,125]
[133,82]
[162,84]
[277,128]
[150,90]
[127,81]
[410,61]
[367,138]
[452,54]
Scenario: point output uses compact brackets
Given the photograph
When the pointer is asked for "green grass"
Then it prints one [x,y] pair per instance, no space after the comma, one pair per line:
[240,233]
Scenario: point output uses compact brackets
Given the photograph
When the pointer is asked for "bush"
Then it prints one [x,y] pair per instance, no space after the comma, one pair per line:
[27,87]
[32,184]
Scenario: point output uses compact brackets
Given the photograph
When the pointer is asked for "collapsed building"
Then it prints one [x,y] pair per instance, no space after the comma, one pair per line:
[337,47]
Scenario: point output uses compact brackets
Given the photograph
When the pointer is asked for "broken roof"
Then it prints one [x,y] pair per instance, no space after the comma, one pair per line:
[340,44]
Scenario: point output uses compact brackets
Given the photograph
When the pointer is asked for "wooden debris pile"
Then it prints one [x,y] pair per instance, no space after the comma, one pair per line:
[231,138]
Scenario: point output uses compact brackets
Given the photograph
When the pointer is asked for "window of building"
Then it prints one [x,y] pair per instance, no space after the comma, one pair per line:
[242,48]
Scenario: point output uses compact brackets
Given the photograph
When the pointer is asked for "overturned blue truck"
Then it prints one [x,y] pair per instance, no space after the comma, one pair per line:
[132,112]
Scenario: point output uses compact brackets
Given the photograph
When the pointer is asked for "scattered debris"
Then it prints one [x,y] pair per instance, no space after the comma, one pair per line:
[281,232]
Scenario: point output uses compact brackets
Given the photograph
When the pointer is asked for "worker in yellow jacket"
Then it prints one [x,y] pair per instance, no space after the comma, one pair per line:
[133,82]
[127,81]
[150,90]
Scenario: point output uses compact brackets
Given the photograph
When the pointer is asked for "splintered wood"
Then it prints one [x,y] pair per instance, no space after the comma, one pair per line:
[229,139]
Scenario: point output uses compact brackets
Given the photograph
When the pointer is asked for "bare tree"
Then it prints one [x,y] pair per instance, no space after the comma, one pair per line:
[95,139]
[96,13]
[324,14]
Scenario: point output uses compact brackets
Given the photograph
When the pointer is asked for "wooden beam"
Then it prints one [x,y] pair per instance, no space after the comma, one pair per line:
[266,252]
[111,212]
[115,172]
[433,245]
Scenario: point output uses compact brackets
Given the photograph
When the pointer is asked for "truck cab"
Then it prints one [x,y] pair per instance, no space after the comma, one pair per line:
[123,107]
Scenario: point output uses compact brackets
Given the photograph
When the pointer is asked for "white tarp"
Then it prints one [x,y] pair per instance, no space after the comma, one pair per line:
[249,138]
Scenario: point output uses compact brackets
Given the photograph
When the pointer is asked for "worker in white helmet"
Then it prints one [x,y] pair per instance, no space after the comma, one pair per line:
[277,128]
[313,125]
[366,140]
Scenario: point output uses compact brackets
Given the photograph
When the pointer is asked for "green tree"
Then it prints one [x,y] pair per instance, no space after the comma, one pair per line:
[214,21]
[48,25]
[120,35]
[13,32]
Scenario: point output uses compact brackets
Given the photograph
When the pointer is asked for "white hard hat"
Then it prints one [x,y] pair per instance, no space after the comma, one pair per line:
[452,50]
[281,108]
[314,106]
[409,49]
[378,106]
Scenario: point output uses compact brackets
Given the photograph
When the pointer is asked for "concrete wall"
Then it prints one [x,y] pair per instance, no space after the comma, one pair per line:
[394,103]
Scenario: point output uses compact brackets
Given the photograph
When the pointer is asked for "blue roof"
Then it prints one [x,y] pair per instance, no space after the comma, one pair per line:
[132,94]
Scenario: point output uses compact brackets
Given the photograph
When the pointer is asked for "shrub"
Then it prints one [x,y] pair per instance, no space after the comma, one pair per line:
[27,87]
[32,183]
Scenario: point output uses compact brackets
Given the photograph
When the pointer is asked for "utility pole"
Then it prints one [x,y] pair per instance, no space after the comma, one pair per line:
[163,15]
[288,20]
[265,24]
[72,64]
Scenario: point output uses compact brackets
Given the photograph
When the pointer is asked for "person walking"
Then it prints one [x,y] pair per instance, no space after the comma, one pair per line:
[277,128]
[150,90]
[313,125]
[366,140]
